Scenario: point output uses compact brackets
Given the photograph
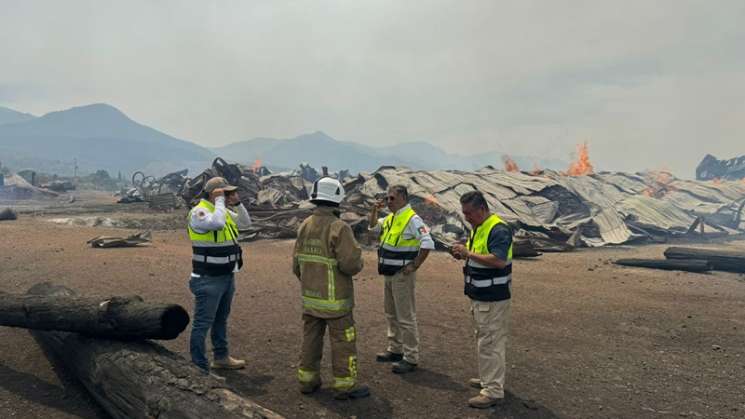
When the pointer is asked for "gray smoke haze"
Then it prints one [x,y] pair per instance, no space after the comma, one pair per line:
[649,85]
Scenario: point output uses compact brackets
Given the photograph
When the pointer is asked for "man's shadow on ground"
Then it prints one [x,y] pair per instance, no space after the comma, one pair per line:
[513,407]
[246,383]
[428,378]
[373,406]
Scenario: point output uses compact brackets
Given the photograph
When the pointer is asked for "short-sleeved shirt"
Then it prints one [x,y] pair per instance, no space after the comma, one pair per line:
[500,239]
[415,229]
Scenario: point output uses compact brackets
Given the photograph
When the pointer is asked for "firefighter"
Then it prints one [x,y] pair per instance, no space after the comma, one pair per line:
[325,258]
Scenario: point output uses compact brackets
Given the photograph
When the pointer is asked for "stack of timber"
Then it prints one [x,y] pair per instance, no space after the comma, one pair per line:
[129,377]
[692,260]
[720,260]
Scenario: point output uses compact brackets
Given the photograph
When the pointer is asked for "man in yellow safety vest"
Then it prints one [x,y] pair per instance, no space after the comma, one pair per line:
[405,243]
[488,280]
[216,257]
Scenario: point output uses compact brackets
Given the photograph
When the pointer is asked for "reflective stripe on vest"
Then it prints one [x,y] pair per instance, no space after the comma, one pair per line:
[330,303]
[395,251]
[216,252]
[484,282]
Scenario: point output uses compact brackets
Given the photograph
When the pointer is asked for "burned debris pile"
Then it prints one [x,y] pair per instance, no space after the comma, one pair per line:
[162,193]
[278,202]
[550,211]
[711,168]
[15,187]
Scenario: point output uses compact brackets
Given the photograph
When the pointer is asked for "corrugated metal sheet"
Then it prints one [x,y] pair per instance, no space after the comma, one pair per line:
[600,205]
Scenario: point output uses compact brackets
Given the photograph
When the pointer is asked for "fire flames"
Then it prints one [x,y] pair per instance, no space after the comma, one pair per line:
[660,183]
[256,166]
[582,165]
[509,164]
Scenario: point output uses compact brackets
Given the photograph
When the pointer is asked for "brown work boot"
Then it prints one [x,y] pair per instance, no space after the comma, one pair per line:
[228,363]
[475,383]
[483,402]
[212,375]
[311,387]
[389,356]
[356,392]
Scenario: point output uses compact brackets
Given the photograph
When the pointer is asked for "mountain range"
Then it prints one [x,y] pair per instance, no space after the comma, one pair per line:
[99,136]
[95,137]
[8,116]
[318,149]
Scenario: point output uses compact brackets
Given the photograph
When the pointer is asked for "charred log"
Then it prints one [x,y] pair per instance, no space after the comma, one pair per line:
[720,260]
[141,379]
[109,317]
[667,264]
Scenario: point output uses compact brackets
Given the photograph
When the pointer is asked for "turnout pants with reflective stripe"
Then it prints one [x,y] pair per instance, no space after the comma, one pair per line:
[491,321]
[343,336]
[400,311]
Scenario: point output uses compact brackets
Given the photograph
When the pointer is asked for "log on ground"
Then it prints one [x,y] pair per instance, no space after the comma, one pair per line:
[692,265]
[524,249]
[720,260]
[141,379]
[109,317]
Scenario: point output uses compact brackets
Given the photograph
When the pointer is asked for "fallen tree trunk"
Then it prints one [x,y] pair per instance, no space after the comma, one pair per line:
[692,265]
[720,260]
[108,317]
[141,379]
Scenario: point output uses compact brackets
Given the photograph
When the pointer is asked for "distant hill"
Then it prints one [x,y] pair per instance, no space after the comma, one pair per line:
[99,136]
[319,149]
[9,116]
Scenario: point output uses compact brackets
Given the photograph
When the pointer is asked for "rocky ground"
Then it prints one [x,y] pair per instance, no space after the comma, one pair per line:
[589,339]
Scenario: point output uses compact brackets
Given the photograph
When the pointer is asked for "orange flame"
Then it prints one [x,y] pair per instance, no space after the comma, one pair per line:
[256,166]
[582,165]
[509,164]
[660,183]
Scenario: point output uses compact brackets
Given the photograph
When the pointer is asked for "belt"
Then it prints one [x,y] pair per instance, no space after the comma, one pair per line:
[487,282]
[215,260]
[394,262]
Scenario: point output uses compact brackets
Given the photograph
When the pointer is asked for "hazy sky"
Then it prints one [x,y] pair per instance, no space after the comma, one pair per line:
[648,84]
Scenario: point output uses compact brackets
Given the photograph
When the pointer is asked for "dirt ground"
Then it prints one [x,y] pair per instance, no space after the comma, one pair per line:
[589,339]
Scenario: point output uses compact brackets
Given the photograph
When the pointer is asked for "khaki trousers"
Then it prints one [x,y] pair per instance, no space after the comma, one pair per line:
[400,311]
[343,337]
[492,324]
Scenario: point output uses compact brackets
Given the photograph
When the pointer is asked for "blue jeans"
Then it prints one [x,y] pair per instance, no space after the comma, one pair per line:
[212,298]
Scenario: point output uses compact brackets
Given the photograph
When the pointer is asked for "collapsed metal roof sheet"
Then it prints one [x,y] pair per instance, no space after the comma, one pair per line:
[593,210]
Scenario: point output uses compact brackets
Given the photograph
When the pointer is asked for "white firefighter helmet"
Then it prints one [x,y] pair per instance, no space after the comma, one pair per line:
[327,189]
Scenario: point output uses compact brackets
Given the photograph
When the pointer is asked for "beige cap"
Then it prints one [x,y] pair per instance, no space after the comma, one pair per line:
[218,183]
